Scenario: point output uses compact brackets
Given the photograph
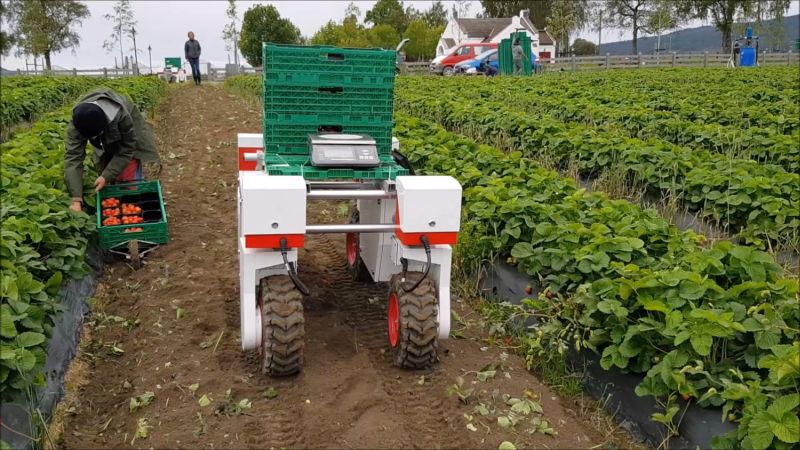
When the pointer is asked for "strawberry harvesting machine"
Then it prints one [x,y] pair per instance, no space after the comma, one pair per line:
[327,135]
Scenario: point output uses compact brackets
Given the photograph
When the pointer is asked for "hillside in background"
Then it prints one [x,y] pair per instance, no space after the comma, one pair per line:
[774,35]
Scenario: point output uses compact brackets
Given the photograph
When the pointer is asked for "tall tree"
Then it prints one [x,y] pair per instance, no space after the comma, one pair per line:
[264,24]
[566,17]
[124,21]
[436,15]
[382,36]
[45,27]
[539,9]
[352,11]
[389,12]
[459,9]
[632,15]
[663,17]
[328,34]
[230,34]
[582,47]
[423,40]
[352,34]
[6,39]
[723,13]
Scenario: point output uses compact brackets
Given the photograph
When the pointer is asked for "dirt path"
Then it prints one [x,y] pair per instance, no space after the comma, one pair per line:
[172,328]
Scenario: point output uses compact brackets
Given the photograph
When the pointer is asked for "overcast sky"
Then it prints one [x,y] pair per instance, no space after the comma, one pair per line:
[164,24]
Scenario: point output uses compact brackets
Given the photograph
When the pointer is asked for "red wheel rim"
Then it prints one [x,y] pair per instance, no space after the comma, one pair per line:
[352,249]
[394,320]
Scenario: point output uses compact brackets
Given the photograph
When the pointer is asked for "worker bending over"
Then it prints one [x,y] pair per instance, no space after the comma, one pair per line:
[121,138]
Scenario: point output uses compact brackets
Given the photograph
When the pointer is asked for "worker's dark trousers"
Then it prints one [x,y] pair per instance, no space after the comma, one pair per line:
[195,64]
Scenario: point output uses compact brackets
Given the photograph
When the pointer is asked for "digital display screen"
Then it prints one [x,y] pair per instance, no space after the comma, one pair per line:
[338,153]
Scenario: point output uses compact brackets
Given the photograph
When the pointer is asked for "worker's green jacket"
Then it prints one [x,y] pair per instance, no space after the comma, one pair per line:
[126,136]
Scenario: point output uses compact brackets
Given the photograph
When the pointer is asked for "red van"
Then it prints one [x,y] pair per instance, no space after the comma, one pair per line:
[443,65]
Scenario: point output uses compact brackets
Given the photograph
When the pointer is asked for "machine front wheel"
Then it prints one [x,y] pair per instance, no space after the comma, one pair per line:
[413,322]
[283,334]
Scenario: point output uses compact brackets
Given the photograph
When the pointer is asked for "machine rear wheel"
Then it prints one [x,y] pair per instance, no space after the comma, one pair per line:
[283,335]
[413,322]
[355,265]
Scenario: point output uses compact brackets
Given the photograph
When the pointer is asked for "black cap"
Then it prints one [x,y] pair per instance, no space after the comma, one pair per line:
[89,119]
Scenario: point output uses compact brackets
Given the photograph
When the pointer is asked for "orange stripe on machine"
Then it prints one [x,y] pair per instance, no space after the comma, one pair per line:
[415,239]
[273,241]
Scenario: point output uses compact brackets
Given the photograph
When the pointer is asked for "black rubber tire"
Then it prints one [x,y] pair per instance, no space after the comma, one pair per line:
[358,271]
[283,334]
[419,326]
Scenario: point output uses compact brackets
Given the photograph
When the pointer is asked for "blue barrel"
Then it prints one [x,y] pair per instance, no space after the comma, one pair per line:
[747,57]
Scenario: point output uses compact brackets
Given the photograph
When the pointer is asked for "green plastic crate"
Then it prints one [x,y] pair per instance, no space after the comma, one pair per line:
[147,195]
[175,62]
[300,165]
[277,118]
[292,138]
[324,99]
[327,59]
[280,77]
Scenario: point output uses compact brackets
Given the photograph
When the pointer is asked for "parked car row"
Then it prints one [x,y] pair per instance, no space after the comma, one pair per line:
[445,64]
[471,59]
[486,63]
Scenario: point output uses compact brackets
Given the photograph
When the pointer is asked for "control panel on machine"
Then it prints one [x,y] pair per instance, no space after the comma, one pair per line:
[343,150]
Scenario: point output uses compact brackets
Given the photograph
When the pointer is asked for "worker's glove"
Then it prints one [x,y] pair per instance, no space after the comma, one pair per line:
[99,183]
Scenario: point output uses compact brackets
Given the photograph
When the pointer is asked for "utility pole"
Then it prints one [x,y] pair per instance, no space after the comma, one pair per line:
[658,41]
[599,30]
[150,54]
[135,52]
[119,34]
[235,48]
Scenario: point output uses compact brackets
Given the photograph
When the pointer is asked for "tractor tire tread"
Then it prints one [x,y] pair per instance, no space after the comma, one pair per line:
[418,340]
[283,336]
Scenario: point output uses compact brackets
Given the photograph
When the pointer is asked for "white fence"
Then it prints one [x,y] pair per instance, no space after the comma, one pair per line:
[570,63]
[564,63]
[608,61]
[210,72]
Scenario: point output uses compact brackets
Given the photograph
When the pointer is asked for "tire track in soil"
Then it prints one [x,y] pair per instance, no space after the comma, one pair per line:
[365,308]
[348,395]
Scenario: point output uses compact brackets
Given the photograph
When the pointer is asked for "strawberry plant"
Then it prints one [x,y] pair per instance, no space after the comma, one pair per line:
[758,202]
[43,243]
[717,326]
[25,98]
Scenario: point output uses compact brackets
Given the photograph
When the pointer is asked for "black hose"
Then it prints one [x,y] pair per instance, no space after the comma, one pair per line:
[403,161]
[427,246]
[292,270]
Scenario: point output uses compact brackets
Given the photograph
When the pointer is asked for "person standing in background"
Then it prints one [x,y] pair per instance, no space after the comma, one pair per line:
[192,51]
[517,55]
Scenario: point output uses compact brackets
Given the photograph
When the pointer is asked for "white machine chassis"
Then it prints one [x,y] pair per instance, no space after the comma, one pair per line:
[381,251]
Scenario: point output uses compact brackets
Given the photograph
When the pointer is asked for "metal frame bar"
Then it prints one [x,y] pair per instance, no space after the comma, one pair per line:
[352,228]
[348,194]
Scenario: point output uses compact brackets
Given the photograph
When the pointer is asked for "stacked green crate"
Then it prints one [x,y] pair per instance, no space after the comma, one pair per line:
[505,54]
[316,89]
